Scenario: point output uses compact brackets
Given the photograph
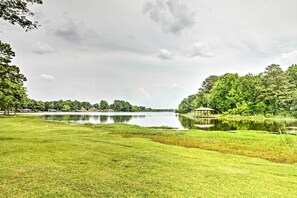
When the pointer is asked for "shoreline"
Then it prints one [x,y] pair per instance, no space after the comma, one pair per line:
[239,117]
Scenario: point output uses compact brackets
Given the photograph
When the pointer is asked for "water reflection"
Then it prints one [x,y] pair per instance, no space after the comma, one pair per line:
[174,121]
[224,125]
[90,118]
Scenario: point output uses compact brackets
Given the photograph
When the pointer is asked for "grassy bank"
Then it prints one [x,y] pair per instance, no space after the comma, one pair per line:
[39,158]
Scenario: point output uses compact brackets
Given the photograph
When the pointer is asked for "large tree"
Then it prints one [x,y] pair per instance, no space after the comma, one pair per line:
[276,90]
[12,91]
[103,105]
[292,75]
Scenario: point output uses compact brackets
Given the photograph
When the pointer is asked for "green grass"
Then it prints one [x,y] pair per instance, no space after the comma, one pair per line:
[276,148]
[42,159]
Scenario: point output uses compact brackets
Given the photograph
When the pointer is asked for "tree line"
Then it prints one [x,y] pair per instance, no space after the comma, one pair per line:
[272,92]
[77,106]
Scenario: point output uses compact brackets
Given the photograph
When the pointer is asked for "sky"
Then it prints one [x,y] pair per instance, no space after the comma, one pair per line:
[149,52]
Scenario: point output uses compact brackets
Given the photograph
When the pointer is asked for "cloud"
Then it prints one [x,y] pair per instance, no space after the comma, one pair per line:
[42,48]
[142,92]
[165,54]
[74,31]
[171,15]
[47,77]
[201,49]
[287,58]
[166,86]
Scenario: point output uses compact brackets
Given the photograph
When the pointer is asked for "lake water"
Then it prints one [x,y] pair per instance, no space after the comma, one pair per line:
[168,119]
[147,119]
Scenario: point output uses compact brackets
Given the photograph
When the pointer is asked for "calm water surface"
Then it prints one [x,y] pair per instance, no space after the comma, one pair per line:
[169,119]
[147,119]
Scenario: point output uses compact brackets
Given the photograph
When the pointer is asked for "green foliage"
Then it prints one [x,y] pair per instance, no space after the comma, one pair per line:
[242,108]
[121,106]
[66,108]
[292,75]
[293,108]
[224,95]
[17,12]
[103,105]
[272,92]
[76,106]
[187,104]
[12,90]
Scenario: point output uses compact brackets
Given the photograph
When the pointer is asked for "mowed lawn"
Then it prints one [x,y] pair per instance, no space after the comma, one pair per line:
[43,159]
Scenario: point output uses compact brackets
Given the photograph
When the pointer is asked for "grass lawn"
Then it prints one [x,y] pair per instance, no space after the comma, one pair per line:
[42,159]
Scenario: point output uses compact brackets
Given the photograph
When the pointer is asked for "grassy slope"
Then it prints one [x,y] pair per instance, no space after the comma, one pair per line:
[54,159]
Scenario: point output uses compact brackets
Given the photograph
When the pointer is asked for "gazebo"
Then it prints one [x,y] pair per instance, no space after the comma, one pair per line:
[203,112]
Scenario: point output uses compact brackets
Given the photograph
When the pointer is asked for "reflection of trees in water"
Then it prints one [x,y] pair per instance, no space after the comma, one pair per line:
[103,119]
[68,118]
[121,119]
[86,118]
[226,125]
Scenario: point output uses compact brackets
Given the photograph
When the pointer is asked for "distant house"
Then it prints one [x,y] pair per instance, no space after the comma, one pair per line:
[82,110]
[93,109]
[26,111]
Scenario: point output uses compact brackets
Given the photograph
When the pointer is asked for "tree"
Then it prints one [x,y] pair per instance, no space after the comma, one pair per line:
[271,92]
[121,106]
[12,91]
[208,84]
[224,95]
[187,104]
[17,12]
[66,108]
[292,75]
[293,108]
[276,90]
[103,105]
[86,105]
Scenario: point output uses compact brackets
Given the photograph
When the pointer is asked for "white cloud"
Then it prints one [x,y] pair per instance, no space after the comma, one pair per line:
[143,92]
[165,54]
[42,48]
[174,85]
[201,49]
[166,86]
[287,58]
[171,15]
[47,77]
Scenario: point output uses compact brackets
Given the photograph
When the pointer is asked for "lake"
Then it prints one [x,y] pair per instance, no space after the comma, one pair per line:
[168,119]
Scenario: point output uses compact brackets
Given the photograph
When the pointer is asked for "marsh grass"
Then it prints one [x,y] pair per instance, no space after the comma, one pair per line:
[275,148]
